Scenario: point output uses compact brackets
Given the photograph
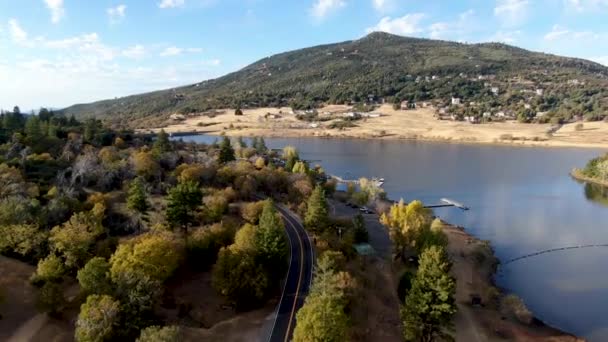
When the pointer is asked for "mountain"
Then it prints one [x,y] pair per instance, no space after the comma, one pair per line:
[381,64]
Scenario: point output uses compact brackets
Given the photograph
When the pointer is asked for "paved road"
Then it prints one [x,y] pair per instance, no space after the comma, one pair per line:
[299,277]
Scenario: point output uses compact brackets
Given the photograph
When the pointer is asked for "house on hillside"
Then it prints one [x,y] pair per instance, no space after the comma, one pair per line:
[405,105]
[455,101]
[540,91]
[177,117]
[495,90]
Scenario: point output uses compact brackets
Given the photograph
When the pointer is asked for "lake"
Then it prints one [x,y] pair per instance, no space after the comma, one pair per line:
[522,200]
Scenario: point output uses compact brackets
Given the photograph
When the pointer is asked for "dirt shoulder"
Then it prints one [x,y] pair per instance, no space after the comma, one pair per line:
[418,124]
[491,320]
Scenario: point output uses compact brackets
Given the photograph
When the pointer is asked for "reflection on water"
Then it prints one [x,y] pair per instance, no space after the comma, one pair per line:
[522,200]
[596,193]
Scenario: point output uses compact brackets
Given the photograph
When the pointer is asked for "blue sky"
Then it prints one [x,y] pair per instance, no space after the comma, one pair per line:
[60,52]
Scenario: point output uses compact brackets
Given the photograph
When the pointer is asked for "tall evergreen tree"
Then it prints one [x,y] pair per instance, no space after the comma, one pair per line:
[162,143]
[429,306]
[137,199]
[270,241]
[226,151]
[360,231]
[182,203]
[317,212]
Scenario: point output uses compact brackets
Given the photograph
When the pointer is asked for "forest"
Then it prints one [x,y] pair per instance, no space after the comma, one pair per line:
[116,223]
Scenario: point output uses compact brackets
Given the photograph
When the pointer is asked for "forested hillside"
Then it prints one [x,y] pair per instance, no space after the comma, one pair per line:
[387,67]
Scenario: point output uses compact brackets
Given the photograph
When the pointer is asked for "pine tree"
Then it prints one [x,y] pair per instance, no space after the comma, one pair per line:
[260,146]
[226,151]
[429,306]
[270,241]
[162,143]
[359,229]
[182,203]
[317,213]
[241,142]
[137,199]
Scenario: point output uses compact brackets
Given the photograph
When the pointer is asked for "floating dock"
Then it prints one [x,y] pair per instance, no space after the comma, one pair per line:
[453,203]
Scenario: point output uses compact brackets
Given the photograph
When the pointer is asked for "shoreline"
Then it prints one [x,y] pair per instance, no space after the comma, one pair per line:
[483,276]
[577,175]
[386,124]
[290,133]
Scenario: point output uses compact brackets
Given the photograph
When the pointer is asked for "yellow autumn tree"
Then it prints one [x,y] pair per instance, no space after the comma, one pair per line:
[407,223]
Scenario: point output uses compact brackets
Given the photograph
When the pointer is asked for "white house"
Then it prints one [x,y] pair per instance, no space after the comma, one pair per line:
[455,101]
[495,90]
[527,106]
[405,105]
[540,91]
[500,114]
[487,114]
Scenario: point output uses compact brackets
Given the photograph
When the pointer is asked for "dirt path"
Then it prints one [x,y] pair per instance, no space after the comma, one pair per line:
[29,329]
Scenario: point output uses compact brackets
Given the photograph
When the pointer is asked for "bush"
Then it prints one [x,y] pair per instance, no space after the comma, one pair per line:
[50,299]
[579,127]
[239,278]
[515,306]
[204,244]
[160,334]
[251,211]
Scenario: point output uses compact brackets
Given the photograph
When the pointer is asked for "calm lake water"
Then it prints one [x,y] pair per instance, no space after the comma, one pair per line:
[521,199]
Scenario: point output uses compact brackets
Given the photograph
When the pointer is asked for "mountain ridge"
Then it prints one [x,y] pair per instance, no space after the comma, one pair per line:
[380,64]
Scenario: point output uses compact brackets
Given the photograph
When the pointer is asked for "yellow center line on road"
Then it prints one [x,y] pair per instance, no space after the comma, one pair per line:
[295,299]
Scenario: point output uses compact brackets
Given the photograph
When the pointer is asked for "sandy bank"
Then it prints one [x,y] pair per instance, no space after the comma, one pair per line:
[419,124]
[494,319]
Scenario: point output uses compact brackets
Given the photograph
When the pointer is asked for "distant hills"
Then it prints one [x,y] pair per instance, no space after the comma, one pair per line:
[381,66]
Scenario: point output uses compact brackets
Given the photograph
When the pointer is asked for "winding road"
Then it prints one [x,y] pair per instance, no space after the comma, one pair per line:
[299,277]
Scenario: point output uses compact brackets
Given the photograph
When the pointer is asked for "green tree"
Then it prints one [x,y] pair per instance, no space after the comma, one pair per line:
[162,143]
[160,334]
[241,142]
[317,213]
[260,145]
[360,231]
[237,276]
[50,269]
[74,239]
[32,129]
[137,199]
[407,224]
[429,306]
[300,167]
[50,298]
[94,277]
[90,130]
[156,255]
[97,319]
[226,151]
[26,240]
[271,244]
[183,202]
[323,316]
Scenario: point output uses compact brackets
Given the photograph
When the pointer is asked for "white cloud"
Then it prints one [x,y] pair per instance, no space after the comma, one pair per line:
[171,51]
[562,33]
[117,13]
[383,5]
[586,5]
[17,33]
[176,51]
[321,8]
[56,8]
[135,52]
[171,3]
[507,37]
[556,33]
[211,62]
[406,25]
[512,12]
[455,30]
